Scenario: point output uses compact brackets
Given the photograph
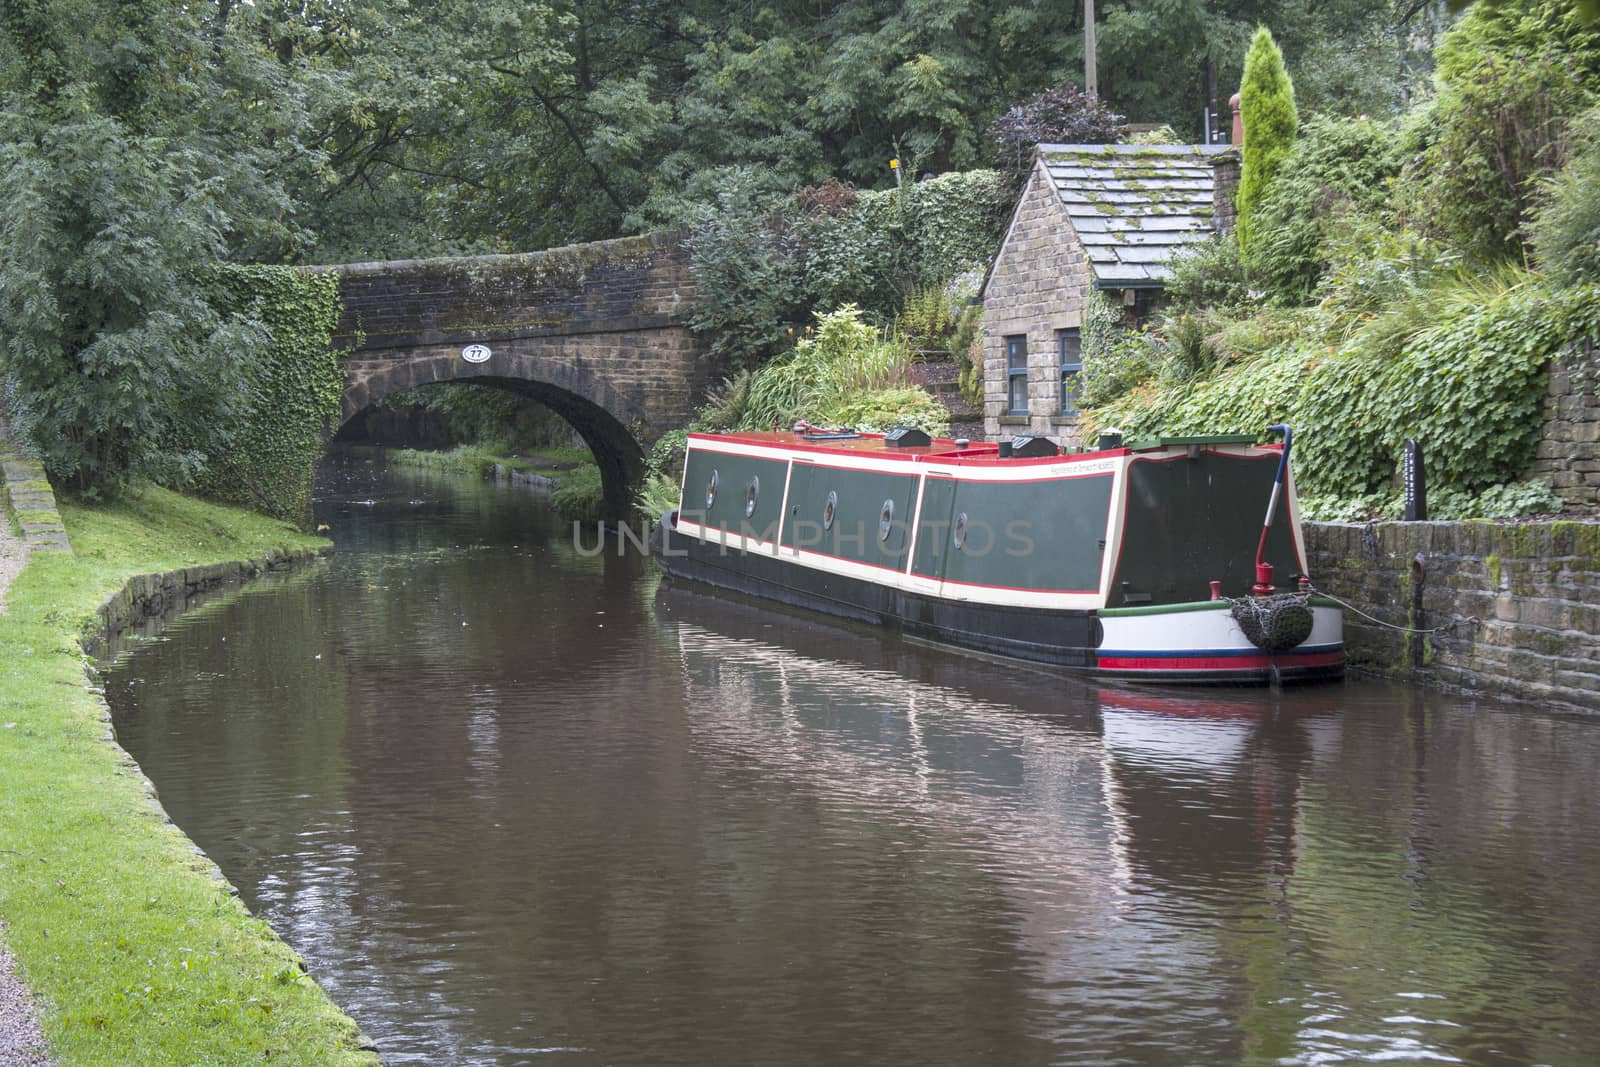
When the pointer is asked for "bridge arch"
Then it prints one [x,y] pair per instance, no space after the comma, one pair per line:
[612,427]
[599,333]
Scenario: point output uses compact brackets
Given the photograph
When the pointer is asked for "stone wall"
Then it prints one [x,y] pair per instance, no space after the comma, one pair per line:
[147,603]
[597,332]
[605,323]
[1225,193]
[1514,606]
[1038,286]
[1569,443]
[606,286]
[28,494]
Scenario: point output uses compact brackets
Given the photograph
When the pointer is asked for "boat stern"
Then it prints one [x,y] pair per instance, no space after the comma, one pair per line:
[1203,643]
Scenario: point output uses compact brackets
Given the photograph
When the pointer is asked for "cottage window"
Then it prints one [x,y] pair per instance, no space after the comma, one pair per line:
[1017,375]
[1069,349]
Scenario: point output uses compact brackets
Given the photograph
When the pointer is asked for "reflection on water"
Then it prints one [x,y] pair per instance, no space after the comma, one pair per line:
[516,804]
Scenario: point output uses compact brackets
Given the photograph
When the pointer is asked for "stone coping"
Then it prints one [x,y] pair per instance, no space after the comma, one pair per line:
[33,502]
[147,602]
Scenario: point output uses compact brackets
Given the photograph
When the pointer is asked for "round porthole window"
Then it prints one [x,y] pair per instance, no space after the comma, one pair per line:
[751,492]
[828,511]
[960,534]
[886,520]
[711,489]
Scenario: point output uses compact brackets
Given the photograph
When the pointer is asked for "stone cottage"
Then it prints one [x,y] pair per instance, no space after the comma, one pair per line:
[1092,218]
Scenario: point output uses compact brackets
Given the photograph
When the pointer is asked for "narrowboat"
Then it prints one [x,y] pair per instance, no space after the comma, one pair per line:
[1146,560]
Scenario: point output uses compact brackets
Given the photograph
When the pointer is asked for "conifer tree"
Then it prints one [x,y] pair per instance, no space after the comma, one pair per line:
[1266,99]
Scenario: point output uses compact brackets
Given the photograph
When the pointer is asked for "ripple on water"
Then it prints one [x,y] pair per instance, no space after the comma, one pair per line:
[605,825]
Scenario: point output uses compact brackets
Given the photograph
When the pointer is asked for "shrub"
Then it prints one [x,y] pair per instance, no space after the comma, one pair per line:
[875,252]
[1497,134]
[1266,99]
[966,348]
[726,405]
[1566,226]
[1114,360]
[745,261]
[1512,501]
[1511,75]
[927,320]
[580,495]
[1336,167]
[294,384]
[881,410]
[1063,115]
[656,496]
[845,373]
[1372,266]
[1466,378]
[667,454]
[1157,135]
[1209,274]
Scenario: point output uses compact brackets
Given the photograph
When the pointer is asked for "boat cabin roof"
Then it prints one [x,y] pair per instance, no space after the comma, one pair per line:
[943,449]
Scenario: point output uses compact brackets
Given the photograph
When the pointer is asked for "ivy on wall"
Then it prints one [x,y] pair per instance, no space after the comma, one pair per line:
[1468,385]
[294,388]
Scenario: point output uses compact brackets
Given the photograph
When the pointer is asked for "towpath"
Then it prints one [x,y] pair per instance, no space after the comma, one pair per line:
[13,549]
[13,553]
[21,1043]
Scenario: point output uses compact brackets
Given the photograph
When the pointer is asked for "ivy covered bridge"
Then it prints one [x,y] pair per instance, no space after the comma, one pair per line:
[596,332]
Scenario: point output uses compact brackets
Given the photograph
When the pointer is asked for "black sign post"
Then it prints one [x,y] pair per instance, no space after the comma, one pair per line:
[1416,483]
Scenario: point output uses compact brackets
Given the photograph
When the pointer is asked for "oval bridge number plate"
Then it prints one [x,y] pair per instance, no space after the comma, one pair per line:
[476,353]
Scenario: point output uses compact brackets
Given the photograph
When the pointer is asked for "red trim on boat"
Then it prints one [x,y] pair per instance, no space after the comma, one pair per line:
[871,445]
[1058,477]
[1218,663]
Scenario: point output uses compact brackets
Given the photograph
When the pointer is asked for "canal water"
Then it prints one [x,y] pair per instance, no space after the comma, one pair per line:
[519,804]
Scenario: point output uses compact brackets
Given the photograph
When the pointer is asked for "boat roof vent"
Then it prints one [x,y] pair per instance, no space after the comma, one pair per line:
[1028,447]
[906,437]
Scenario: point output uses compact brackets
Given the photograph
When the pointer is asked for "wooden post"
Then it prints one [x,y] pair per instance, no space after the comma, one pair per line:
[1090,75]
[1414,482]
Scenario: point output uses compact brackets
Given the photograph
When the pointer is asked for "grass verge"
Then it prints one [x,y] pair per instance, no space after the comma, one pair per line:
[479,459]
[137,953]
[578,493]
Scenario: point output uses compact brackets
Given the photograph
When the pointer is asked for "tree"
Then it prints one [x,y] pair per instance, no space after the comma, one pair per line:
[118,367]
[1270,121]
[128,164]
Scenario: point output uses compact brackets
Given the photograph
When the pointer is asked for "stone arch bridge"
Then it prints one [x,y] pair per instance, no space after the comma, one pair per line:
[597,332]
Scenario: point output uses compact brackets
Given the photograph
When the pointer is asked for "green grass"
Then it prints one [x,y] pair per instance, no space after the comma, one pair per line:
[135,950]
[481,459]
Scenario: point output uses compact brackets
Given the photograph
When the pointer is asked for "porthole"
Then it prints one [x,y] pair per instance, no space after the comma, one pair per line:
[751,493]
[711,489]
[828,511]
[960,534]
[886,520]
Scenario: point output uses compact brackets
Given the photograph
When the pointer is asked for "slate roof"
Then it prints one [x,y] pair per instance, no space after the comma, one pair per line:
[1134,206]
